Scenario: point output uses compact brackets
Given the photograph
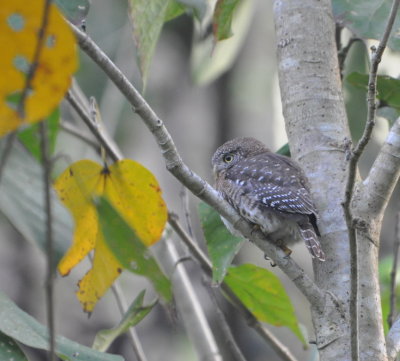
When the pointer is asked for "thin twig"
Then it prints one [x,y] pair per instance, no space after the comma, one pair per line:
[123,307]
[191,180]
[185,204]
[6,152]
[342,54]
[35,61]
[198,253]
[94,127]
[252,321]
[351,178]
[223,326]
[77,133]
[46,164]
[393,274]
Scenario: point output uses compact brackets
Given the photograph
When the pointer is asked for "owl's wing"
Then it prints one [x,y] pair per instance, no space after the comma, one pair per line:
[273,182]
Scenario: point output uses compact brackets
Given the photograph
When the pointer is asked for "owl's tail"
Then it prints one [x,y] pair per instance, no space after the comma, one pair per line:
[311,240]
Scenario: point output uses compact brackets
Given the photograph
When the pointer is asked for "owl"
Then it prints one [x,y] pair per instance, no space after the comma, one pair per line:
[269,190]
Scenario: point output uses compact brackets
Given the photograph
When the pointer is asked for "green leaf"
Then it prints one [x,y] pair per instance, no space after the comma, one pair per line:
[174,10]
[222,19]
[367,19]
[357,60]
[23,328]
[128,248]
[209,59]
[388,88]
[30,136]
[221,244]
[132,317]
[147,18]
[263,294]
[390,114]
[284,150]
[76,11]
[199,7]
[385,268]
[22,202]
[9,349]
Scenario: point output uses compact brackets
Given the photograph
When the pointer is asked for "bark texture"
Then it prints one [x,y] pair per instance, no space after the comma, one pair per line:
[318,133]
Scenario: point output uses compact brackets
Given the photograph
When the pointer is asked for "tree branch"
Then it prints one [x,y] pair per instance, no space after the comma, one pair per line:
[206,266]
[46,164]
[351,178]
[393,341]
[192,181]
[201,258]
[393,273]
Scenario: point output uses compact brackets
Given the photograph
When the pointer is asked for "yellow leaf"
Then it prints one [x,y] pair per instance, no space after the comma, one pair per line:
[20,21]
[135,194]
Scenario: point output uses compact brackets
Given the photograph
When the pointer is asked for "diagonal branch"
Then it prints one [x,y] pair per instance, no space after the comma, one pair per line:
[191,180]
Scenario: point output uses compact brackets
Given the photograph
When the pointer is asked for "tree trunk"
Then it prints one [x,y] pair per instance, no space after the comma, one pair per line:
[318,133]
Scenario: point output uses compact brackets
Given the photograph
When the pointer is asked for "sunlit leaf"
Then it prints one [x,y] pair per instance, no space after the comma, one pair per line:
[367,19]
[222,19]
[388,88]
[263,294]
[20,22]
[147,17]
[23,328]
[221,244]
[9,349]
[31,139]
[136,312]
[128,249]
[135,194]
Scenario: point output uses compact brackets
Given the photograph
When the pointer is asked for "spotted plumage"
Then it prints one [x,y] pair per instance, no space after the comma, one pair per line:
[269,190]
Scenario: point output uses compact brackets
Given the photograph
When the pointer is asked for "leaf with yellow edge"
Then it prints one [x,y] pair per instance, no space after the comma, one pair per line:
[20,21]
[133,191]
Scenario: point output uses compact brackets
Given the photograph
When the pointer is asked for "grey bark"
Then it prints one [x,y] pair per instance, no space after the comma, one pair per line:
[317,129]
[318,134]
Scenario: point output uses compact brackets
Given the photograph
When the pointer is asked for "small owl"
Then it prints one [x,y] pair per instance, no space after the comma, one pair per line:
[269,190]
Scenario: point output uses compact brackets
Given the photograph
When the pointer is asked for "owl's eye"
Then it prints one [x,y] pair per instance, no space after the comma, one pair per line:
[228,158]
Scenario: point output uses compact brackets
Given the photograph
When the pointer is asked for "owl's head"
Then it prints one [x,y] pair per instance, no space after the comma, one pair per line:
[235,150]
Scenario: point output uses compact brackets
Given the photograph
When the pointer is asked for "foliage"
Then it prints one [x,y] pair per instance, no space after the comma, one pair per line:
[134,192]
[117,209]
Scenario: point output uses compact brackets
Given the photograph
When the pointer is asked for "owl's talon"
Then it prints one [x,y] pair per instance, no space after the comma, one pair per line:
[255,228]
[273,264]
[266,257]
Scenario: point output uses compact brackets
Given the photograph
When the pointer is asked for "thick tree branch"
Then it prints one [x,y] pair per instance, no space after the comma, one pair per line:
[376,190]
[393,341]
[192,181]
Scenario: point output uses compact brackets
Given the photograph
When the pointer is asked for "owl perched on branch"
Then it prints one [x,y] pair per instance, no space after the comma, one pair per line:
[268,190]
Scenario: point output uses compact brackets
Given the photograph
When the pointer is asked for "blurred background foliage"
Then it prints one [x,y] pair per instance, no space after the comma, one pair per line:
[200,113]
